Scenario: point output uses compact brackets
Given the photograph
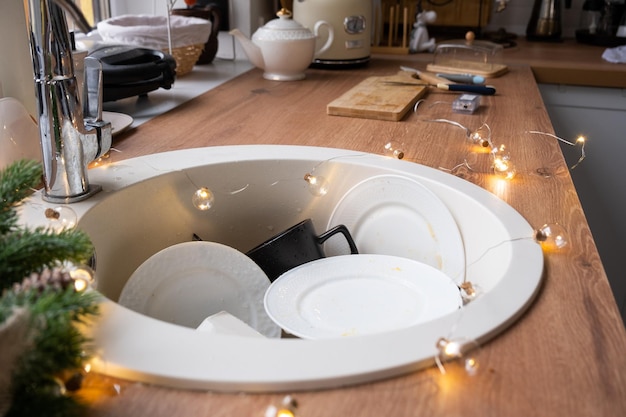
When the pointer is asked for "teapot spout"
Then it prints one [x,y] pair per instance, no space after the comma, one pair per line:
[254,52]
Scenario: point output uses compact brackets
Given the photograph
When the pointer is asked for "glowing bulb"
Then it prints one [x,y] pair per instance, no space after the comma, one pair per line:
[456,350]
[452,349]
[61,218]
[393,150]
[505,170]
[80,285]
[471,366]
[83,277]
[318,185]
[481,136]
[287,409]
[285,412]
[501,164]
[203,199]
[551,237]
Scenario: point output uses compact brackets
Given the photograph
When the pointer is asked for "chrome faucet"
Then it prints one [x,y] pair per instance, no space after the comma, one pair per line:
[71,136]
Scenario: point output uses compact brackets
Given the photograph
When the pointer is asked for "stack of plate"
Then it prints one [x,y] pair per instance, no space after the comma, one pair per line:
[411,255]
[411,259]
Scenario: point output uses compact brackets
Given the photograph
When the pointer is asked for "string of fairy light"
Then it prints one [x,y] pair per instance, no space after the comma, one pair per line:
[551,236]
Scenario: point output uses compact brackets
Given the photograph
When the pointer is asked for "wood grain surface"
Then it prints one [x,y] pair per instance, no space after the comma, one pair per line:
[379,98]
[565,356]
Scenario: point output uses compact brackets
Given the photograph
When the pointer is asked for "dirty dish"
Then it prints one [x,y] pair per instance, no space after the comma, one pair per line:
[395,215]
[352,295]
[119,121]
[185,283]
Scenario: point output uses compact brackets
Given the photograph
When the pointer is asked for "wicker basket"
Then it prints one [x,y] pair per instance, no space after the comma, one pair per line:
[185,57]
[188,35]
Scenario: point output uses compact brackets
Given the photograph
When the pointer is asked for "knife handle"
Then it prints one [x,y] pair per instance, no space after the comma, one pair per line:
[485,90]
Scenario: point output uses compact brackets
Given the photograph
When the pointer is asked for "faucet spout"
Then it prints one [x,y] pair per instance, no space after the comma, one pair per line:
[69,141]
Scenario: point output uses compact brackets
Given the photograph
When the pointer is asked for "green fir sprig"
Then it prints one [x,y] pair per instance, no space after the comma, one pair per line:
[55,344]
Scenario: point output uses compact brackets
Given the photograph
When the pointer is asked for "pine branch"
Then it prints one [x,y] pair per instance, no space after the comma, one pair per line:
[27,251]
[16,182]
[57,346]
[55,343]
[45,404]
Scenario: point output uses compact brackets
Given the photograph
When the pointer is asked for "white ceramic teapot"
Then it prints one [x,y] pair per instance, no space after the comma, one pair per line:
[283,48]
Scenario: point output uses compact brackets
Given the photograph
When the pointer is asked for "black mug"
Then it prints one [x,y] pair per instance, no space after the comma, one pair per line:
[295,246]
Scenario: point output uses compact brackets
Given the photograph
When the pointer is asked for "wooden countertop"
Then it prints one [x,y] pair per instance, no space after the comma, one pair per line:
[565,356]
[567,62]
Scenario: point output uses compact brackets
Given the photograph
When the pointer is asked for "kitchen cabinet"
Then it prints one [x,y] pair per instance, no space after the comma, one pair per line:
[600,115]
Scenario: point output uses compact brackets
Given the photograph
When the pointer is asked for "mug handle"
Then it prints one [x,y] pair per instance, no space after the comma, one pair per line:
[215,13]
[339,229]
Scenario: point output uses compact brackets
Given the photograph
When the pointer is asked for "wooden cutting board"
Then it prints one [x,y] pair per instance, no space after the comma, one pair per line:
[372,98]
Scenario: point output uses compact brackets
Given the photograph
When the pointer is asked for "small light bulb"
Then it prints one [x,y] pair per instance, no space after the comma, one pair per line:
[505,170]
[80,285]
[61,218]
[285,412]
[393,150]
[471,366]
[203,199]
[83,277]
[481,136]
[502,164]
[551,237]
[318,185]
[456,351]
[452,349]
[468,292]
[287,408]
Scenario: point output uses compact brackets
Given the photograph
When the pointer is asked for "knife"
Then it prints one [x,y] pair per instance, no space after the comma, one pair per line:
[443,84]
[463,78]
[485,90]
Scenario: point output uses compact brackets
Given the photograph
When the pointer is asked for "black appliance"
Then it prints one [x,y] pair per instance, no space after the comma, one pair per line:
[129,71]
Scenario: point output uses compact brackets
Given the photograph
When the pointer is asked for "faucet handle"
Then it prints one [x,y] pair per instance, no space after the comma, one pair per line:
[92,90]
[92,105]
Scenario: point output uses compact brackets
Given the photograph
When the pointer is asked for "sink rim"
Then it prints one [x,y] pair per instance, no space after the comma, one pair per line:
[223,363]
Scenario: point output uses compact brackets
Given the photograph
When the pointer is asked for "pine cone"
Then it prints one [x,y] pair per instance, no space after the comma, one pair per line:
[56,278]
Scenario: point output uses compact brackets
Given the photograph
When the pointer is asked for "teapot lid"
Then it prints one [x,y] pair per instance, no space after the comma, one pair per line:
[283,28]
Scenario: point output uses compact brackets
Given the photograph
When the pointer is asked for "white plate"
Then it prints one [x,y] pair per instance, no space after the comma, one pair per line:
[185,283]
[119,121]
[395,215]
[353,295]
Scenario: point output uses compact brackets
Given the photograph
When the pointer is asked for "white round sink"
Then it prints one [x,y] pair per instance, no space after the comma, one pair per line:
[259,190]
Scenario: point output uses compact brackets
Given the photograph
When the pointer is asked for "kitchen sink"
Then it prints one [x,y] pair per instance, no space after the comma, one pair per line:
[146,206]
